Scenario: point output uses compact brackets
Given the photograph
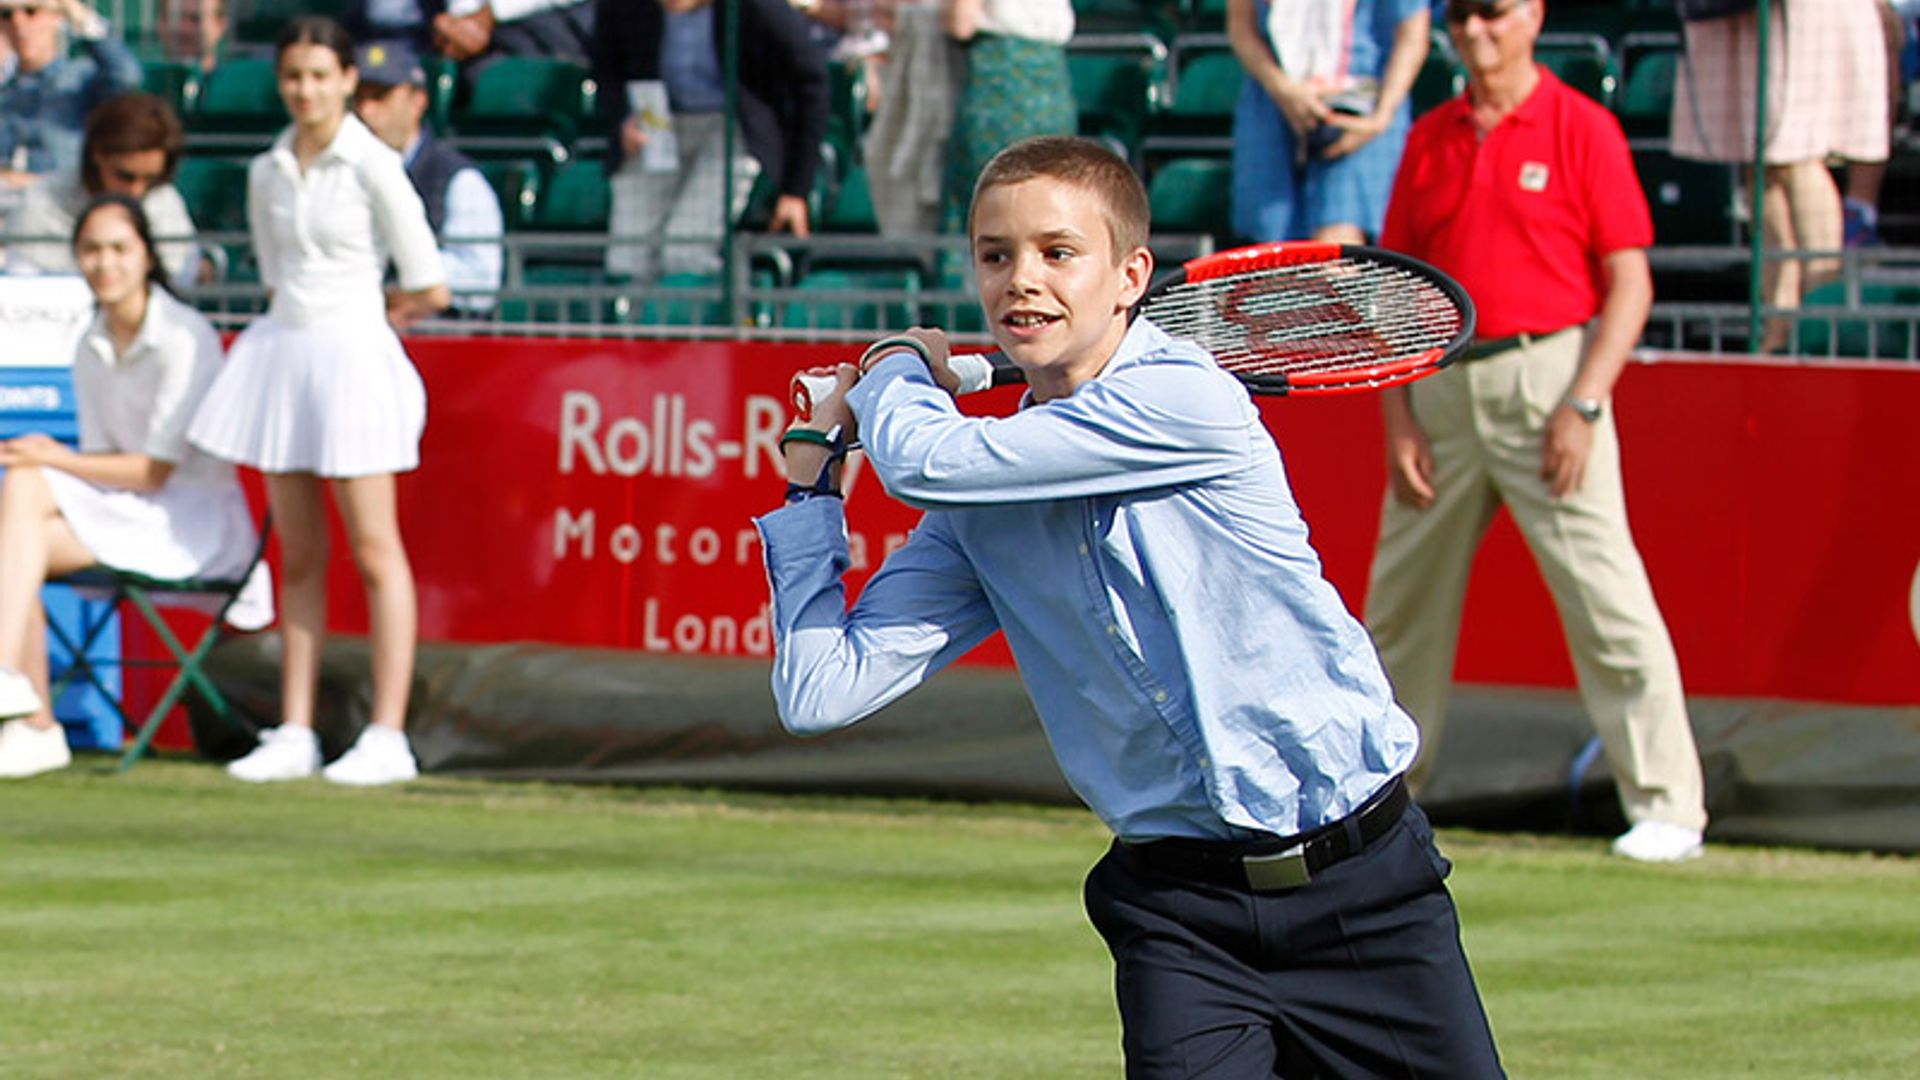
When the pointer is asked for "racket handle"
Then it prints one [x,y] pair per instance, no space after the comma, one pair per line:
[974,370]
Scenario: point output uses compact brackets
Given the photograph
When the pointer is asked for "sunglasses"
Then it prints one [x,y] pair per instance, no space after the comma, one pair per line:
[130,177]
[1459,11]
[23,9]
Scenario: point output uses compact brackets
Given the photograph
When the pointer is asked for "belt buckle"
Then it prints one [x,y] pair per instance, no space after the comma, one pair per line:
[1278,872]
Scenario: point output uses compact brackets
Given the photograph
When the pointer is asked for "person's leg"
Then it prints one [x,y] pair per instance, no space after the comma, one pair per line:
[300,520]
[1801,214]
[1779,278]
[291,750]
[1418,582]
[1818,223]
[1628,673]
[35,543]
[696,223]
[1367,969]
[640,202]
[1189,1005]
[369,511]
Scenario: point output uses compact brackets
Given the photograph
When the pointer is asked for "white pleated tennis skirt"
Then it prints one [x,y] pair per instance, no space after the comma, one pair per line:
[337,399]
[183,530]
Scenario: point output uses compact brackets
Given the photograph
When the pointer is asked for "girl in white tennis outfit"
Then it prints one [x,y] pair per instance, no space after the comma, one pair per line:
[318,393]
[134,496]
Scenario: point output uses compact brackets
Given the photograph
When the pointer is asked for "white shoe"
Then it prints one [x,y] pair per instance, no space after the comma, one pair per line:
[285,753]
[26,750]
[1658,841]
[17,695]
[381,755]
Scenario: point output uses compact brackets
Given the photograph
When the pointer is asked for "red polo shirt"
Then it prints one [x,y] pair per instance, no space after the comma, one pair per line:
[1524,217]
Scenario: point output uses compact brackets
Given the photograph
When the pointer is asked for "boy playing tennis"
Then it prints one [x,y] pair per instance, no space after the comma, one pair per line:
[1273,901]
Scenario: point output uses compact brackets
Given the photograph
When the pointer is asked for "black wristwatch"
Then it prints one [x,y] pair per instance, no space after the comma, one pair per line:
[1588,409]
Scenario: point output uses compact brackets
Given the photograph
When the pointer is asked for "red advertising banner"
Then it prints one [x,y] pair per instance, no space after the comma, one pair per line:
[600,493]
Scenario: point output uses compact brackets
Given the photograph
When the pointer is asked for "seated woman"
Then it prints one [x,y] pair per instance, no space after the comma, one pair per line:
[135,496]
[133,147]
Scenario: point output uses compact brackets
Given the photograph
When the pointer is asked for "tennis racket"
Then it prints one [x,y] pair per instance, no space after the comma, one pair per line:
[1299,317]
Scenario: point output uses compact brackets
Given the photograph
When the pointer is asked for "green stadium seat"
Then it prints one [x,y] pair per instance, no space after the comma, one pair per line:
[1582,61]
[1206,15]
[1117,81]
[1206,85]
[442,80]
[1606,19]
[516,182]
[846,111]
[681,299]
[851,298]
[567,294]
[576,199]
[215,189]
[1189,195]
[1832,333]
[1440,79]
[526,96]
[848,205]
[1162,18]
[1692,201]
[239,97]
[962,314]
[176,82]
[1649,65]
[1650,16]
[260,21]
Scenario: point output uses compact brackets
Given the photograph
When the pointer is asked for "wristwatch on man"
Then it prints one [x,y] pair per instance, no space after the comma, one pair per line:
[1588,409]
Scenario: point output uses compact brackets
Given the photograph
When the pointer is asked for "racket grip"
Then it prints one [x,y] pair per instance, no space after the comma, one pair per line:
[806,389]
[974,371]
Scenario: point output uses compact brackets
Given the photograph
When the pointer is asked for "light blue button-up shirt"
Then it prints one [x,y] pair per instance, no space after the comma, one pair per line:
[1139,546]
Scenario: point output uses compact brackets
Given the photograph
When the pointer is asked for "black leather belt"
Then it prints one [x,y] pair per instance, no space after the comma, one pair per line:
[1278,864]
[1480,350]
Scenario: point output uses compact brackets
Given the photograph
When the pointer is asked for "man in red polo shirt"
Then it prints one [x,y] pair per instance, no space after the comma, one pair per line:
[1524,191]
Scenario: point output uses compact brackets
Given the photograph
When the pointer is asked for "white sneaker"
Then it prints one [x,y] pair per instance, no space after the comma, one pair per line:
[381,755]
[1658,841]
[285,753]
[26,750]
[17,695]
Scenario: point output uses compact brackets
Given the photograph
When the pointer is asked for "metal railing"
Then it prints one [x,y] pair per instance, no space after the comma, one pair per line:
[854,287]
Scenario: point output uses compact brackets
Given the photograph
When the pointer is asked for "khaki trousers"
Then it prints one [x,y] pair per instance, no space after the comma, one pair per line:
[1485,421]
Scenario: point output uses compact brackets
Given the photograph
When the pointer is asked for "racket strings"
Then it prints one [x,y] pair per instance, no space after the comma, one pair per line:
[1318,318]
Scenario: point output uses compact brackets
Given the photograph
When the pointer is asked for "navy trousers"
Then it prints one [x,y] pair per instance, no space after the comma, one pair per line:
[1359,973]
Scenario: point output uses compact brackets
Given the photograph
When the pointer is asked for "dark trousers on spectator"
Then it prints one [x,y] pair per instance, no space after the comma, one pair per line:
[1358,973]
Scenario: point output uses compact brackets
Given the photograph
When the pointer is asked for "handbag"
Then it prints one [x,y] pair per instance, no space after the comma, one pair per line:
[1702,10]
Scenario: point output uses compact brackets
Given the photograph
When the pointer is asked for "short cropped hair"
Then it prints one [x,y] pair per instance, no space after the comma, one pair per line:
[1084,163]
[130,123]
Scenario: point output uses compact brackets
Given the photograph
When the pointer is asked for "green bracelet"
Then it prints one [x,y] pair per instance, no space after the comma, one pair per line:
[898,341]
[806,435]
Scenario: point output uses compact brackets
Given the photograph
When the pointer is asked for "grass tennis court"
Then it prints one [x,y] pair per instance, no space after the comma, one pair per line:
[174,923]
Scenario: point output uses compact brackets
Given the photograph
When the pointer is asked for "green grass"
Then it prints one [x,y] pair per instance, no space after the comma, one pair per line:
[173,923]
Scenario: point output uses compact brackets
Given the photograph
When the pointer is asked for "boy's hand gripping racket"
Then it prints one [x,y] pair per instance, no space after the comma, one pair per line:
[1286,318]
